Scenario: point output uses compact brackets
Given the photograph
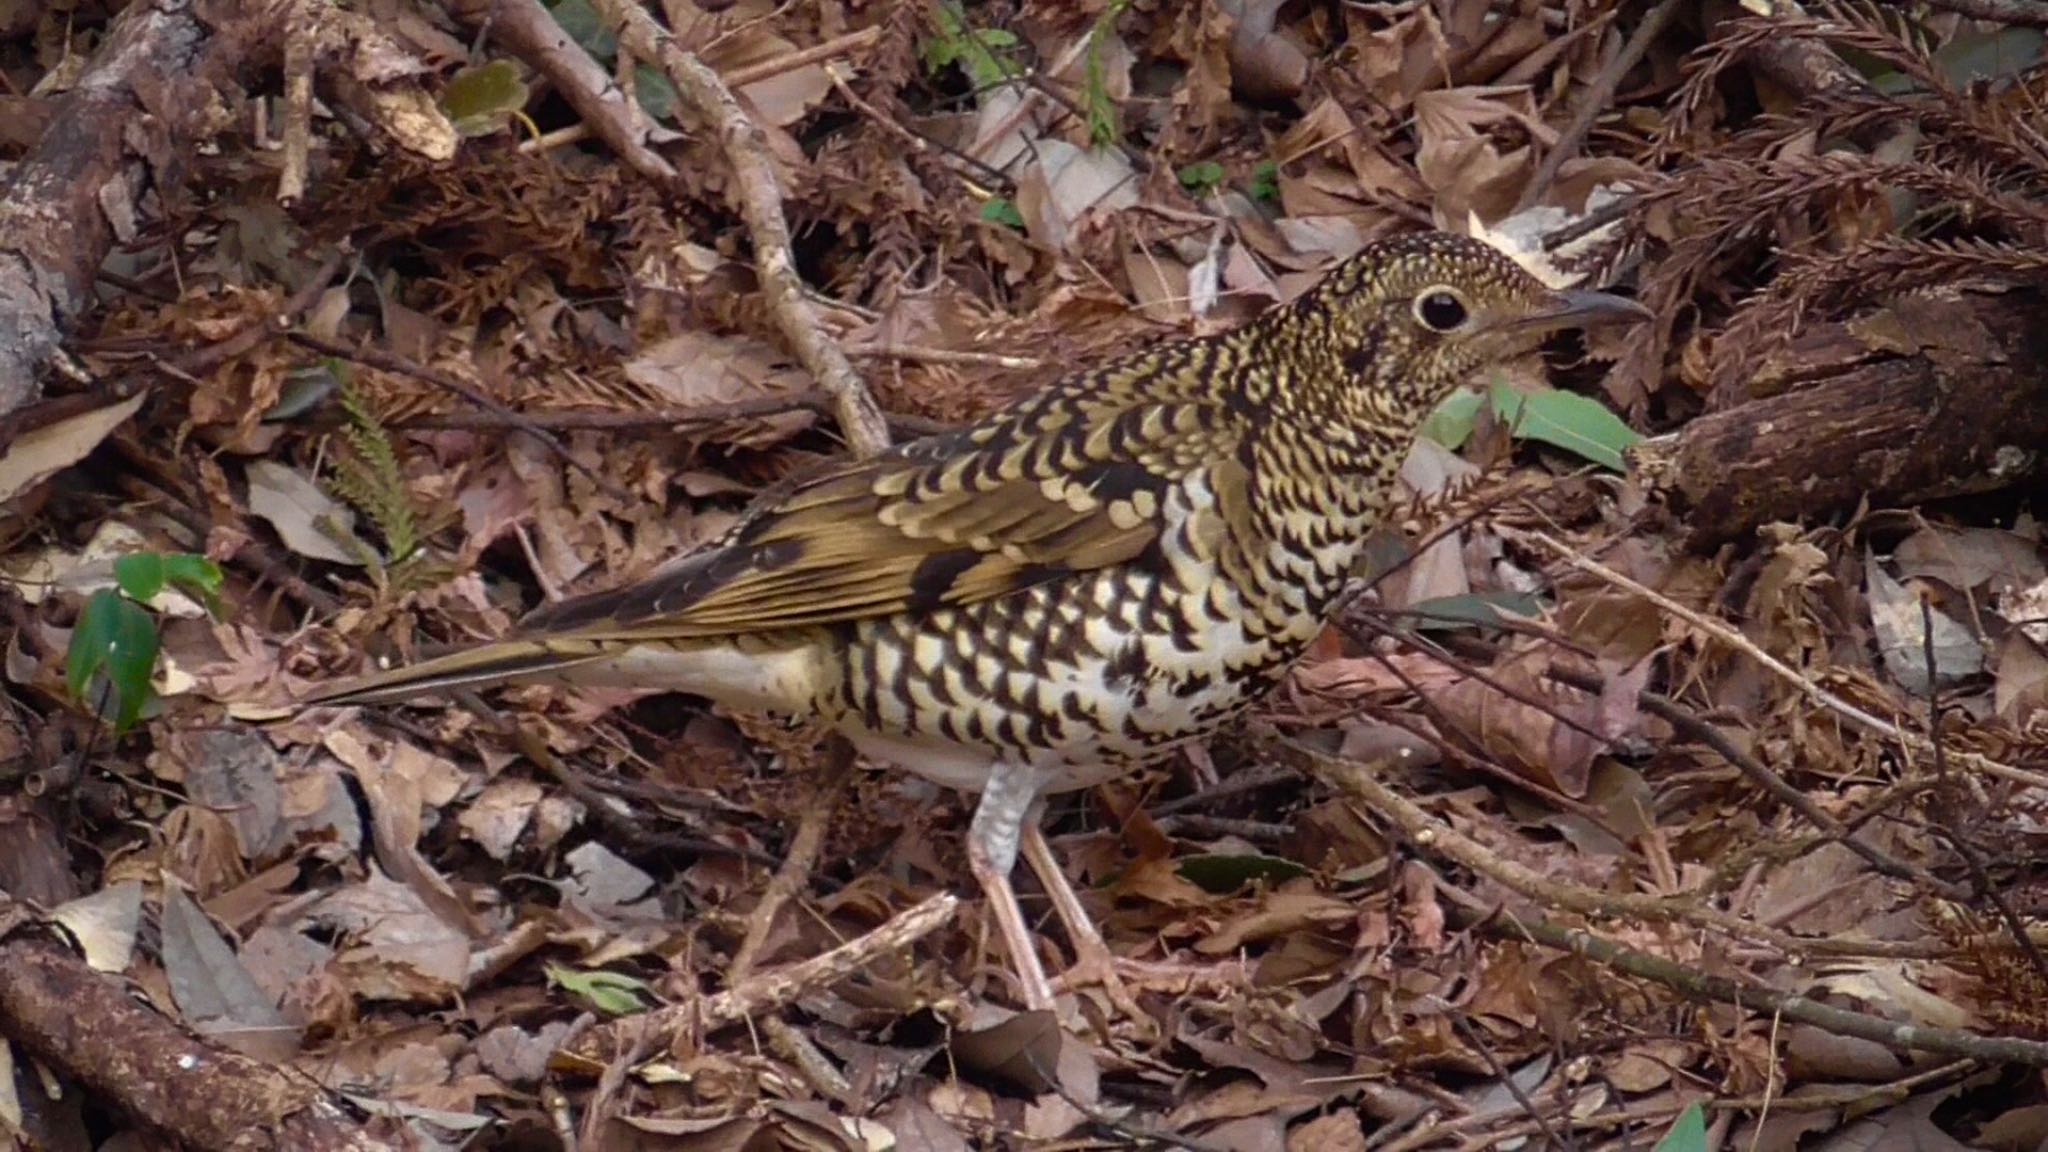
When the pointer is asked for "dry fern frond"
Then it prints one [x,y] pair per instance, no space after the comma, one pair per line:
[1886,267]
[1836,25]
[1964,197]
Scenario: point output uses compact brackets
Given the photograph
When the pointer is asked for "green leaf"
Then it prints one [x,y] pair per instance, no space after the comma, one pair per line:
[115,642]
[1451,424]
[195,576]
[657,95]
[1223,874]
[141,576]
[587,28]
[608,992]
[1266,181]
[1101,110]
[1688,1133]
[481,99]
[1202,177]
[975,50]
[1566,420]
[997,210]
[1474,610]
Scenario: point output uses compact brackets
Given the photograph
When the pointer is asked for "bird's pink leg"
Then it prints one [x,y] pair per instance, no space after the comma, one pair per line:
[999,821]
[1093,961]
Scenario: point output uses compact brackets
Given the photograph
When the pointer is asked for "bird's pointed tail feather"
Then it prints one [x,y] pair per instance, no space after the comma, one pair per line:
[472,667]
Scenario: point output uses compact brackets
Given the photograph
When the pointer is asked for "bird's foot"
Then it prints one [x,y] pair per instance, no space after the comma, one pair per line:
[1095,965]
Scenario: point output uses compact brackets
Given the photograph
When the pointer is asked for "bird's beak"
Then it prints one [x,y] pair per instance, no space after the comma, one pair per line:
[1579,309]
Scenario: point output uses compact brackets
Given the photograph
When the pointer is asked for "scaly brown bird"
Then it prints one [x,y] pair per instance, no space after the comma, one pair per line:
[1079,582]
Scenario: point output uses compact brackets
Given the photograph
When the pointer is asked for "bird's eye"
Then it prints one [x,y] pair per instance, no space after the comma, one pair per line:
[1441,310]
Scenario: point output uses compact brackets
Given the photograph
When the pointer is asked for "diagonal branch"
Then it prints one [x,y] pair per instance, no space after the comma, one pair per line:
[760,203]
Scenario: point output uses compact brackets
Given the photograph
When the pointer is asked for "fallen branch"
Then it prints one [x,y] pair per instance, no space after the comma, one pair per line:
[766,991]
[93,1032]
[82,186]
[1930,397]
[1757,997]
[119,140]
[760,202]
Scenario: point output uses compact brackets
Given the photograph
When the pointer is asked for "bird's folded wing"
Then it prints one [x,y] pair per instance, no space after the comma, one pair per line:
[924,530]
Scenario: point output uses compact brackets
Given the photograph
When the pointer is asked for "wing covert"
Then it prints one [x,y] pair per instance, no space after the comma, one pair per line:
[982,514]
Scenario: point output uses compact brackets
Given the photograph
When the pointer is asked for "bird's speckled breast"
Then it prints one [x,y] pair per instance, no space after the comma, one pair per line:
[1098,672]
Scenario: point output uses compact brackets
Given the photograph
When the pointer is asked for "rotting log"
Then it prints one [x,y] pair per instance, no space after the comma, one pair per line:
[1932,397]
[92,1031]
[112,138]
[119,141]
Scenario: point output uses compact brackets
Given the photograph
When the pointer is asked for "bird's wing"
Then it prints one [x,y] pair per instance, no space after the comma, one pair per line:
[960,519]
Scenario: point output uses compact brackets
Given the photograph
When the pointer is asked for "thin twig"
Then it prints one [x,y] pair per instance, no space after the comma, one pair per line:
[528,31]
[776,987]
[827,787]
[1979,875]
[1700,986]
[769,69]
[1501,1076]
[925,355]
[1689,725]
[1599,95]
[1442,840]
[1911,741]
[391,362]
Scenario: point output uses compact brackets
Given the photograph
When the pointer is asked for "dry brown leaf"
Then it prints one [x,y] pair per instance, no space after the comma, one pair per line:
[1289,909]
[215,994]
[2020,685]
[40,453]
[1066,185]
[1336,1132]
[1458,158]
[699,369]
[1266,62]
[308,520]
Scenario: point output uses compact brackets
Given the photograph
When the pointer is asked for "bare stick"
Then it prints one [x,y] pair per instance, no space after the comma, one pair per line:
[827,788]
[769,69]
[1698,985]
[1598,97]
[298,114]
[760,203]
[777,987]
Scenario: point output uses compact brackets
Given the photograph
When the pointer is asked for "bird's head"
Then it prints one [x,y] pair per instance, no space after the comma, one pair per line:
[1405,322]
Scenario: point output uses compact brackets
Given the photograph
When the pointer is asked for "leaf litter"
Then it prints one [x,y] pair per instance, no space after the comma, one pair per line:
[432,903]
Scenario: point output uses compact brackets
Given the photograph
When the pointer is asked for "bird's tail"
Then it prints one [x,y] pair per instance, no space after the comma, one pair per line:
[482,665]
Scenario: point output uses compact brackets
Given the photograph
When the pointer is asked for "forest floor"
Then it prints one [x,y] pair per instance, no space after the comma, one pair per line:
[1711,825]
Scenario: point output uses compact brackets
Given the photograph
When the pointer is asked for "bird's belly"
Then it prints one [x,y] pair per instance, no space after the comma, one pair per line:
[1085,680]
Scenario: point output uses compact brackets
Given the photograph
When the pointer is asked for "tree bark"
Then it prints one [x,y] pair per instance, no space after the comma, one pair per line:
[1932,397]
[81,1024]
